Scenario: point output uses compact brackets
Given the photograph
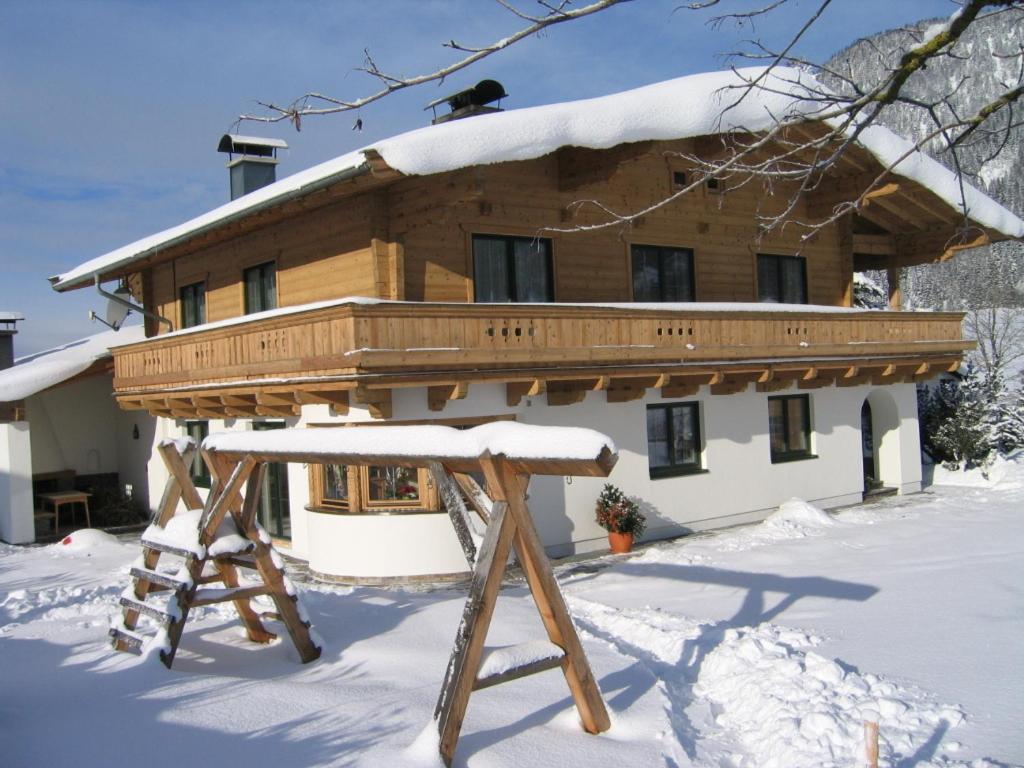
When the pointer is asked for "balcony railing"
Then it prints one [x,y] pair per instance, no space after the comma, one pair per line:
[357,340]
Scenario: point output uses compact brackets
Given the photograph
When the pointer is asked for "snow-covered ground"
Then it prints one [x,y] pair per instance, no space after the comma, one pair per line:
[768,645]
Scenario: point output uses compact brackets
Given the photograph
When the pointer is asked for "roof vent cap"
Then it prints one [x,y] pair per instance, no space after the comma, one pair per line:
[471,101]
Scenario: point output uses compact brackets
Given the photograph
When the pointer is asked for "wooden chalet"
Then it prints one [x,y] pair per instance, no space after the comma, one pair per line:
[431,278]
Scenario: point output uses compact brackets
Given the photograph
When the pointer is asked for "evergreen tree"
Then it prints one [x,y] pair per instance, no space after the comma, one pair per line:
[1008,423]
[965,436]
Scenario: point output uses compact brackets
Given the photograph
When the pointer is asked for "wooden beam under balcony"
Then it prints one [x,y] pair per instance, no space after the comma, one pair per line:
[686,385]
[627,389]
[567,392]
[377,401]
[515,391]
[439,396]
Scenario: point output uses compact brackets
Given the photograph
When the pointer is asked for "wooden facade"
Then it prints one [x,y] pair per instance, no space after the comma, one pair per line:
[386,236]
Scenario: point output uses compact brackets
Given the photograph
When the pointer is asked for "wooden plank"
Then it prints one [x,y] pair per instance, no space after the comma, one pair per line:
[523,670]
[478,500]
[224,497]
[233,593]
[451,497]
[503,481]
[464,663]
[165,511]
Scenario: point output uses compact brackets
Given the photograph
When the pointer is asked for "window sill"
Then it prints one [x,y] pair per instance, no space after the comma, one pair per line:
[663,472]
[786,458]
[372,511]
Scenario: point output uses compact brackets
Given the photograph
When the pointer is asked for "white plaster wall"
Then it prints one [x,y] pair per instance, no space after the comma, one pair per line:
[740,483]
[380,546]
[134,455]
[74,427]
[17,513]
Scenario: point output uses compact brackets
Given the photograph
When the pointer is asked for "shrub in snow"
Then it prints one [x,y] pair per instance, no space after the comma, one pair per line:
[617,513]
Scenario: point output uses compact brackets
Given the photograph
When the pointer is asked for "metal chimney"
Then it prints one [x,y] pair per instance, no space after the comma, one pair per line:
[255,164]
[472,101]
[7,330]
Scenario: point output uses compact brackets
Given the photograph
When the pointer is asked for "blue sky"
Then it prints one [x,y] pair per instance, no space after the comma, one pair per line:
[111,109]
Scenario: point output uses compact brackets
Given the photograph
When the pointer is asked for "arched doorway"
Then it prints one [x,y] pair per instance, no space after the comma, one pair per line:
[868,455]
[880,444]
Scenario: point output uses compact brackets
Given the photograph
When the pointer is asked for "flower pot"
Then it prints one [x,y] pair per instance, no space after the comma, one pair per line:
[620,542]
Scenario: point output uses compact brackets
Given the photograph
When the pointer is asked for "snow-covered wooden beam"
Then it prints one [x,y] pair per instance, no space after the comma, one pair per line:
[530,449]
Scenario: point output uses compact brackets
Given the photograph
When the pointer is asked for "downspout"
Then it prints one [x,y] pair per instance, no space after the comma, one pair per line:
[125,303]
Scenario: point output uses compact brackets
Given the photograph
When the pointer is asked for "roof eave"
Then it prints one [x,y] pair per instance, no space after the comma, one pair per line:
[117,268]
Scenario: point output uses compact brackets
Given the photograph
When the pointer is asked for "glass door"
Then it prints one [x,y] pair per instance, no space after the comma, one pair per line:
[275,512]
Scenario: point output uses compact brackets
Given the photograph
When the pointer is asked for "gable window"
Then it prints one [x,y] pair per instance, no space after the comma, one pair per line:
[673,439]
[662,274]
[200,473]
[260,287]
[789,427]
[193,305]
[781,279]
[512,269]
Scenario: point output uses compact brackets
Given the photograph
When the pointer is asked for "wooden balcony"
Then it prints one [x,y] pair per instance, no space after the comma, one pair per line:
[360,352]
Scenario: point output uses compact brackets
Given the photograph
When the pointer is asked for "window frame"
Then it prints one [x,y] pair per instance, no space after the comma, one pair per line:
[203,479]
[510,265]
[266,268]
[676,468]
[194,295]
[790,454]
[779,260]
[662,251]
[358,502]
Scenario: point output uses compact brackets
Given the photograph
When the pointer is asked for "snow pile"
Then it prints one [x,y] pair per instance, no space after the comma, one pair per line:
[511,439]
[34,373]
[794,519]
[791,708]
[695,105]
[797,514]
[84,541]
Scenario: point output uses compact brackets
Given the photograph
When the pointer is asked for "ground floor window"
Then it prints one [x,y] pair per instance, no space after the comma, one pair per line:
[789,427]
[371,489]
[673,439]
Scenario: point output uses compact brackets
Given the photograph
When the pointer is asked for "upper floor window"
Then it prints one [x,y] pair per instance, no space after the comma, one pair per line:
[789,427]
[673,439]
[662,274]
[781,279]
[200,473]
[193,305]
[509,269]
[260,287]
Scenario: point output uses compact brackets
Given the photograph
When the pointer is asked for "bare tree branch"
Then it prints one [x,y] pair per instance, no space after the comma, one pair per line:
[301,107]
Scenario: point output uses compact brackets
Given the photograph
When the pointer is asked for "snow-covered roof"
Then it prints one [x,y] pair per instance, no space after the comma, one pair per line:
[694,105]
[11,317]
[34,373]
